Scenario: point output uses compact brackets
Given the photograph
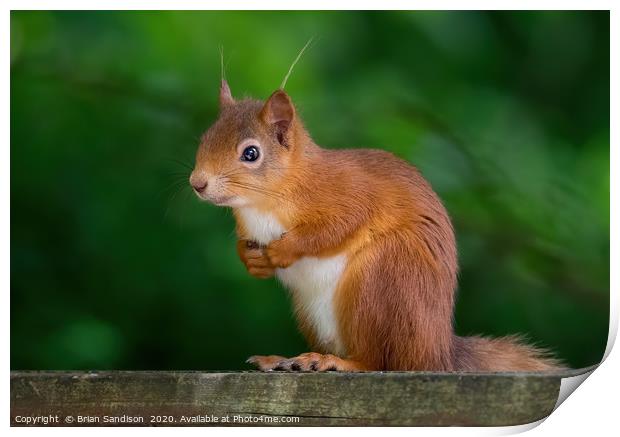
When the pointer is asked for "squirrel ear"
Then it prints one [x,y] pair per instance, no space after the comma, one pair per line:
[279,111]
[226,97]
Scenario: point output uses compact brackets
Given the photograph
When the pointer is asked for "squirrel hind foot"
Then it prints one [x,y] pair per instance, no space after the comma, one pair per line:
[307,362]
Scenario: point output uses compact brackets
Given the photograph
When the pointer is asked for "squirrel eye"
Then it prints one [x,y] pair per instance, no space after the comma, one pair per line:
[250,154]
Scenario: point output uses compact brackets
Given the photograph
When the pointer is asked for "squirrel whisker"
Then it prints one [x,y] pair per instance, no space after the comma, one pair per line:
[181,163]
[250,187]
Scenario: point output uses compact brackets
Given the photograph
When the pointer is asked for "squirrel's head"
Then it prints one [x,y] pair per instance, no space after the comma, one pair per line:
[243,157]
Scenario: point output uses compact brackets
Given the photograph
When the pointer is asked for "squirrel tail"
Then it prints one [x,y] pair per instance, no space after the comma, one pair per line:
[504,354]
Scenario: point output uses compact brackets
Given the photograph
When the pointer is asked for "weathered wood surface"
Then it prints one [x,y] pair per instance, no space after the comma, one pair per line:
[371,398]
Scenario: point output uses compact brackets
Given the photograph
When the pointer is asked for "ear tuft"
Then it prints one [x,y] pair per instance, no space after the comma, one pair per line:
[226,97]
[280,112]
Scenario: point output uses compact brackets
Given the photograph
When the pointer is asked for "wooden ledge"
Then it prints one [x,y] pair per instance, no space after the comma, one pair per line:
[290,399]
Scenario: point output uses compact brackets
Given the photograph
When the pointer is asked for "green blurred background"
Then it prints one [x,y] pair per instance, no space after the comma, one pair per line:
[115,264]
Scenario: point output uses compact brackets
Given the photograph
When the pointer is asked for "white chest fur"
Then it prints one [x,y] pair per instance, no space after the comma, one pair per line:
[313,281]
[261,227]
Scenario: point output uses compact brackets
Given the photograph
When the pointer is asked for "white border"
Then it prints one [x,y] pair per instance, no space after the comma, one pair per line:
[592,410]
[314,5]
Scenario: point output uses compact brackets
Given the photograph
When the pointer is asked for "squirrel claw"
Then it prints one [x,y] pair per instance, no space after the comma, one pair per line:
[265,363]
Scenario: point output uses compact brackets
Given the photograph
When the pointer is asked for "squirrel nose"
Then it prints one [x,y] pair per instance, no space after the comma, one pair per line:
[199,186]
[198,182]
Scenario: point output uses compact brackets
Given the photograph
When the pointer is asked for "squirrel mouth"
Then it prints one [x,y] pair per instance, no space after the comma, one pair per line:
[216,200]
[220,201]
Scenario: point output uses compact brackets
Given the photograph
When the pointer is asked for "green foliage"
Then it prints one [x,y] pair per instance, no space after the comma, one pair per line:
[115,264]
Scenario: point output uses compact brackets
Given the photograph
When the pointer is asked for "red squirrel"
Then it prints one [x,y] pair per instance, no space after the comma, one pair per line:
[358,236]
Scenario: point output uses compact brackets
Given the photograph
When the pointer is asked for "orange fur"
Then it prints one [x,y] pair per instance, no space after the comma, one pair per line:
[394,302]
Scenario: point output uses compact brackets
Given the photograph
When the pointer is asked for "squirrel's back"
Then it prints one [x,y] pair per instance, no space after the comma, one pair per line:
[420,221]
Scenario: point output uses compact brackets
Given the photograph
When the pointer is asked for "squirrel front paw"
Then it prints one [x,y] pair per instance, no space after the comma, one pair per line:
[280,253]
[254,259]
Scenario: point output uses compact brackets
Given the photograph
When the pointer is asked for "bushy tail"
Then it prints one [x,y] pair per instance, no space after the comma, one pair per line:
[505,354]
